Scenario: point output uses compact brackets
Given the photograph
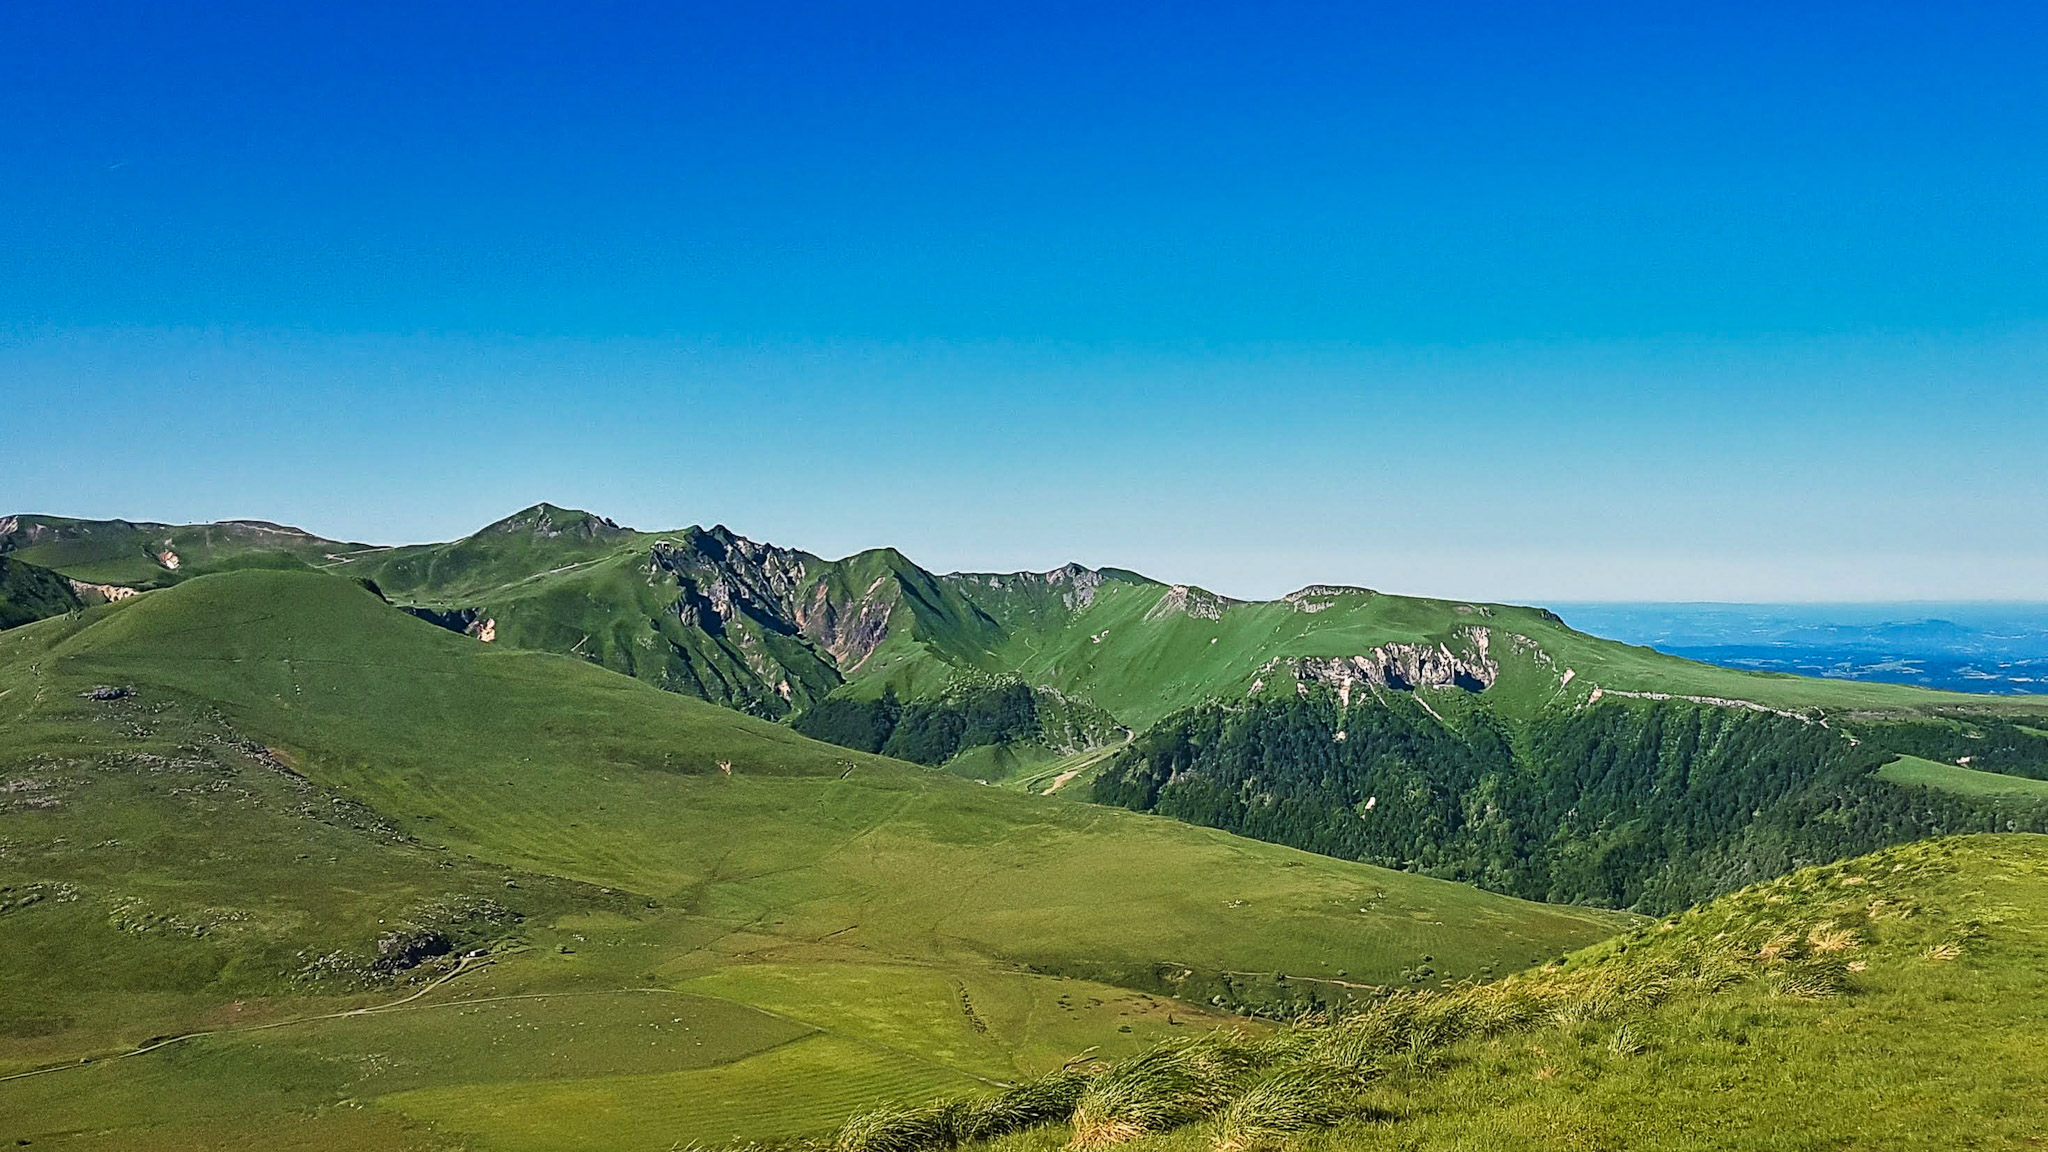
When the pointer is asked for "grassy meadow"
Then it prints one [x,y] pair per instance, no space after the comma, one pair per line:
[1924,773]
[282,866]
[296,810]
[1889,1001]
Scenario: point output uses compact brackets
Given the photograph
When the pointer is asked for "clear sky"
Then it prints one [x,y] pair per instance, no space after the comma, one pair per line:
[1512,301]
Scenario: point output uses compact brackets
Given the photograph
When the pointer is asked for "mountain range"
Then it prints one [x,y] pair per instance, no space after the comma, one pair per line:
[567,835]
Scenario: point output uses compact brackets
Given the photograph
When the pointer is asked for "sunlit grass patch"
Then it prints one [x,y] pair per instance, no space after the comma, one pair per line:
[1729,998]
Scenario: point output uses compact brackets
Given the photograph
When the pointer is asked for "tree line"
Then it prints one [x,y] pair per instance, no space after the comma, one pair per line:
[1647,805]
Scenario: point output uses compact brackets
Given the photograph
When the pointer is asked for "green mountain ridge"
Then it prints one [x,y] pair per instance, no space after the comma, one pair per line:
[263,797]
[437,847]
[144,554]
[1473,721]
[772,630]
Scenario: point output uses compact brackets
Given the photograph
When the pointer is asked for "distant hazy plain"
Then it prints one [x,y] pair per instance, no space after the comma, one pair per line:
[1965,647]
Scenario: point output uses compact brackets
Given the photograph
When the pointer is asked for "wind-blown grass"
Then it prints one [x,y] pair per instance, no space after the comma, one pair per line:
[1807,937]
[1293,1099]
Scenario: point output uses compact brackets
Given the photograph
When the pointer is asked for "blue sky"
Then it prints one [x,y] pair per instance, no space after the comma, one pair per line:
[1597,302]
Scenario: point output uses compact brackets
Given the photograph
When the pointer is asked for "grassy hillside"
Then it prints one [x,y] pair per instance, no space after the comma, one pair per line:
[31,593]
[1026,680]
[250,802]
[1890,1001]
[1923,773]
[771,630]
[1633,803]
[146,555]
[1142,650]
[1114,640]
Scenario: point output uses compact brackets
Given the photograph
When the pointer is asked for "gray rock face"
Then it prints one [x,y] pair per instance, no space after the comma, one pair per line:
[1182,599]
[849,631]
[1081,584]
[1400,666]
[724,576]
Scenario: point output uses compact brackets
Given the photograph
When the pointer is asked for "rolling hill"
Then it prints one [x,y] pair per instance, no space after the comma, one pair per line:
[31,593]
[1486,743]
[284,866]
[772,630]
[142,554]
[522,842]
[1887,1001]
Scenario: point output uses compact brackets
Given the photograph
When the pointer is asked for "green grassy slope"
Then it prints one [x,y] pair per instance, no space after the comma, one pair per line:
[769,629]
[1889,1001]
[1936,1043]
[1914,770]
[31,593]
[147,555]
[691,915]
[1143,650]
[1006,676]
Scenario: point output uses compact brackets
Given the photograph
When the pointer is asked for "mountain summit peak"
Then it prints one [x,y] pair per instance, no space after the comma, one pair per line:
[551,520]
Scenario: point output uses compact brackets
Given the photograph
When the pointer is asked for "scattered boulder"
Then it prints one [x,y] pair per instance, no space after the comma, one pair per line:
[398,951]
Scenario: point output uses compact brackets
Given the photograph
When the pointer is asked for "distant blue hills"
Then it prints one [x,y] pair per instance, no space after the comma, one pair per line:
[1962,647]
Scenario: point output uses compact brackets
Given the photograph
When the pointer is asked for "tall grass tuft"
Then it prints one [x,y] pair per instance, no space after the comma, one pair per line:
[1362,1038]
[1811,977]
[1223,1057]
[1707,970]
[896,1129]
[1156,1092]
[1049,1099]
[935,1127]
[1289,1101]
[1497,1009]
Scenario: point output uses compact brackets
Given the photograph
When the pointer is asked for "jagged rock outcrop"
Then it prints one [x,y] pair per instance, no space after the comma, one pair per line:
[1319,597]
[1399,666]
[468,621]
[1080,583]
[849,631]
[1186,600]
[107,592]
[723,576]
[844,610]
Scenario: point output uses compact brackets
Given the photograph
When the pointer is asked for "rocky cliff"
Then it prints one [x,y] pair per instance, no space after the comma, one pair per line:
[1400,666]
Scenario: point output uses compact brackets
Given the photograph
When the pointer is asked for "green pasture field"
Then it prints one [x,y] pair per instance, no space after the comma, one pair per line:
[691,924]
[1889,1001]
[1966,781]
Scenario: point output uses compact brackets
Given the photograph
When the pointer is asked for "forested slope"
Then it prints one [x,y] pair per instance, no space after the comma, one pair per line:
[1644,804]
